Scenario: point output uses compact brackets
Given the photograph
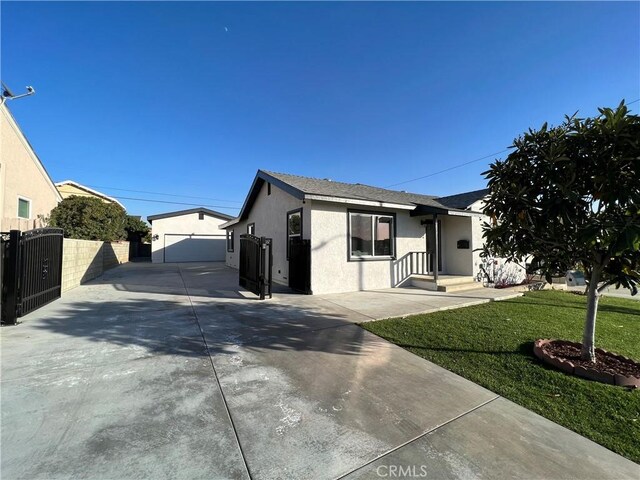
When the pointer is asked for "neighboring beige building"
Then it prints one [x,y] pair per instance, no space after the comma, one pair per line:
[27,193]
[69,188]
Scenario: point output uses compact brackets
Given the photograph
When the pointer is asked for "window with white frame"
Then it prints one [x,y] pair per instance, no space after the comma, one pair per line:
[371,235]
[294,227]
[229,240]
[24,207]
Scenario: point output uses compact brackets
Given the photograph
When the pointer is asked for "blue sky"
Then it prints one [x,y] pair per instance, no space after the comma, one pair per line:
[192,98]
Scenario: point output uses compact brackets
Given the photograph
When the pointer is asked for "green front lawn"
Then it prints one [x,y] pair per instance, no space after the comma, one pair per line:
[492,345]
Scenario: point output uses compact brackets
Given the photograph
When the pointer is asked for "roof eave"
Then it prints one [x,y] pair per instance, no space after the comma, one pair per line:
[357,201]
[230,223]
[89,190]
[178,213]
[422,210]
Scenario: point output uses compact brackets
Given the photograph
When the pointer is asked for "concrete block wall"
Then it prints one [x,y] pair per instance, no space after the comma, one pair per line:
[114,253]
[83,260]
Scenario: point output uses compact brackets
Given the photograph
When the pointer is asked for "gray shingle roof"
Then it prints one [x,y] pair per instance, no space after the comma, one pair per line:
[463,200]
[300,187]
[358,191]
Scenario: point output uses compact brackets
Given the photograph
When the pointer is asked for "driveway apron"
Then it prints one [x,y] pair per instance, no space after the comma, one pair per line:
[171,371]
[312,395]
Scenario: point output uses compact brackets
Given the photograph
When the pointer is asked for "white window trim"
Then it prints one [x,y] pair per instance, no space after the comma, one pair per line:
[230,240]
[290,213]
[374,216]
[20,197]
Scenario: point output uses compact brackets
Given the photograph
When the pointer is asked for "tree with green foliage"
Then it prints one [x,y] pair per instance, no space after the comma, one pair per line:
[137,230]
[569,196]
[89,218]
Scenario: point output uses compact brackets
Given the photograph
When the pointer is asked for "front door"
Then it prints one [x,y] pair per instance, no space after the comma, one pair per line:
[431,246]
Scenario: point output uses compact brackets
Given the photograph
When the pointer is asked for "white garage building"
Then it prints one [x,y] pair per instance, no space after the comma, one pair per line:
[188,236]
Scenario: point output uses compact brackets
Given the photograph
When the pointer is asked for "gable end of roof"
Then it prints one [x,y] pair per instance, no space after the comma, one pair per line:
[178,213]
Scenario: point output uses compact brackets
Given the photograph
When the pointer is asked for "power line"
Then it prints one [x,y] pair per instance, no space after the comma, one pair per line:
[165,194]
[177,203]
[448,169]
[159,201]
[467,163]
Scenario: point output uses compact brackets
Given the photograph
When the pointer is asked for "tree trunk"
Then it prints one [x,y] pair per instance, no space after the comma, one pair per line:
[588,337]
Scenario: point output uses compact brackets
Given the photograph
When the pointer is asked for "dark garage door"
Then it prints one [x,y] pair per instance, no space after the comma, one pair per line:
[194,248]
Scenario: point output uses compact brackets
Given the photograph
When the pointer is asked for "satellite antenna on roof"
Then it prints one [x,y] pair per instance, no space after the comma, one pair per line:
[7,94]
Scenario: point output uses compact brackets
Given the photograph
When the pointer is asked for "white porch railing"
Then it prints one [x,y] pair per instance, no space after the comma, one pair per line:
[413,263]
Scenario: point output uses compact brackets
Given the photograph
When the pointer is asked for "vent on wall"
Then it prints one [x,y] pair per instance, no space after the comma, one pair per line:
[463,244]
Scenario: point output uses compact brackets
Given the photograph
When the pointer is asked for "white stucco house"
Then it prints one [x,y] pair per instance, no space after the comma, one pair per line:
[363,237]
[192,235]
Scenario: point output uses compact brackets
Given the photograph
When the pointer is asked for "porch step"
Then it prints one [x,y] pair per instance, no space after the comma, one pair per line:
[459,287]
[446,283]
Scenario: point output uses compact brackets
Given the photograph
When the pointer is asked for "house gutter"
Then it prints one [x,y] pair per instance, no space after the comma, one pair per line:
[353,201]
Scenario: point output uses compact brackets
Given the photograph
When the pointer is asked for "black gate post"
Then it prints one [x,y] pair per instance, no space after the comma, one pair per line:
[262,267]
[270,267]
[10,284]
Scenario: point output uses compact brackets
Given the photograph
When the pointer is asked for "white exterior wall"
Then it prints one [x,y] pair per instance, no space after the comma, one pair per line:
[457,261]
[188,224]
[477,241]
[510,273]
[269,213]
[331,271]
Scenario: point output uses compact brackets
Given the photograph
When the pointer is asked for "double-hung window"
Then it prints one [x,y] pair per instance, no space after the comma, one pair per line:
[371,235]
[294,227]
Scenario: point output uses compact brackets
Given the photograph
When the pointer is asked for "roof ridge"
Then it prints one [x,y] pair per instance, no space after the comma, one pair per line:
[187,211]
[269,172]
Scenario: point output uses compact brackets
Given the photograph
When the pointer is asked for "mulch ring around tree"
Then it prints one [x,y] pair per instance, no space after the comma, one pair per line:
[609,367]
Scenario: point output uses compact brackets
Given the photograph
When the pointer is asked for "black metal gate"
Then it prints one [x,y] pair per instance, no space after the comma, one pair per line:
[31,271]
[300,265]
[256,260]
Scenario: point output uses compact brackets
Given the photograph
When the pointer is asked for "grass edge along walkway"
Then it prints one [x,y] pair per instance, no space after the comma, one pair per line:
[492,345]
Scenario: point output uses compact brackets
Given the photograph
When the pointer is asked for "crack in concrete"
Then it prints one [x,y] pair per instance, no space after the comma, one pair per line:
[215,374]
[422,435]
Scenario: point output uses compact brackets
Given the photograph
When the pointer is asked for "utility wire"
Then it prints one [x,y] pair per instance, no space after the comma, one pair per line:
[165,194]
[159,201]
[467,163]
[448,169]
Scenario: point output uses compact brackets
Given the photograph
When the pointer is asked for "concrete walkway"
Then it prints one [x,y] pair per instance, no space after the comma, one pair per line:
[610,292]
[401,302]
[169,371]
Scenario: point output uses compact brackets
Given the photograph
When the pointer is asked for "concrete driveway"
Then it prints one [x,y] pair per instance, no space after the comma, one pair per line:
[169,371]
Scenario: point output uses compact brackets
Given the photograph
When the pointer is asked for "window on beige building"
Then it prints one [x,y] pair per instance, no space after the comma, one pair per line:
[24,207]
